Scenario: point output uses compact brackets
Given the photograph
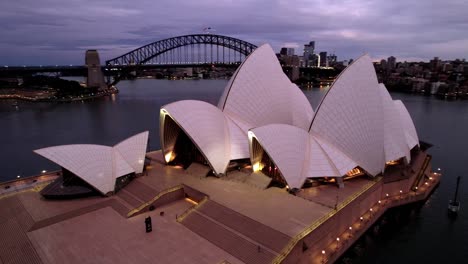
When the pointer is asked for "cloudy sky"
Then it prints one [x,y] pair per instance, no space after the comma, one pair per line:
[49,32]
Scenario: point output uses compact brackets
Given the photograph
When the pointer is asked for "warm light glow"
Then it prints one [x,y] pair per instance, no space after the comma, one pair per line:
[416,187]
[438,169]
[426,183]
[191,201]
[251,135]
[401,191]
[386,194]
[370,209]
[44,171]
[350,228]
[354,172]
[430,178]
[257,166]
[323,252]
[361,218]
[18,176]
[380,201]
[338,239]
[169,156]
[391,162]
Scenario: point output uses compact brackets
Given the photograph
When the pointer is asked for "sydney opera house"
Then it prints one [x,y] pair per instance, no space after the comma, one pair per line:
[262,177]
[265,119]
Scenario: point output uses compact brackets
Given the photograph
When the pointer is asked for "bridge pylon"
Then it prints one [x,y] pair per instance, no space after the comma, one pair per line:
[95,76]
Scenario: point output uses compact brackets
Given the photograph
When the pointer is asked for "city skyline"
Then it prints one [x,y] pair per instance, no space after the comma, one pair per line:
[54,32]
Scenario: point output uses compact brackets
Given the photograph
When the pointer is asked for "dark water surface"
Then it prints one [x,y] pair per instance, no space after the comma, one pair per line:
[427,237]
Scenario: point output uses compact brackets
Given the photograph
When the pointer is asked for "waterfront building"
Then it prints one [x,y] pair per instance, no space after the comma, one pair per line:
[286,143]
[260,178]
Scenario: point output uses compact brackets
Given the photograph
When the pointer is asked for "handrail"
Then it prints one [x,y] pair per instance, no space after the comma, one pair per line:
[181,217]
[293,242]
[142,206]
[421,172]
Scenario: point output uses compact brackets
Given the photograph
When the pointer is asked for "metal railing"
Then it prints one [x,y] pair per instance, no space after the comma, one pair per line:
[181,217]
[144,205]
[293,242]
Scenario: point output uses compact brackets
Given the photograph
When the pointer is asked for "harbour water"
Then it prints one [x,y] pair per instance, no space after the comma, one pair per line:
[427,236]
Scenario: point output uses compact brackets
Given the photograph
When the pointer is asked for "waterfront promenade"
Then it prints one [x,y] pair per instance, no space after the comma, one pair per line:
[111,229]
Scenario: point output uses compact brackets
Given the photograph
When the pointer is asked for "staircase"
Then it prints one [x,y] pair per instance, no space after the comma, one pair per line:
[240,236]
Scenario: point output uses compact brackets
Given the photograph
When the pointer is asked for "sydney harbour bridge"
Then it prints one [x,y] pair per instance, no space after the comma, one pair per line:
[197,50]
[188,51]
[183,51]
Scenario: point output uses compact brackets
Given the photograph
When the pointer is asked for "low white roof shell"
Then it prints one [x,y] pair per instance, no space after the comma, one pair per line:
[100,165]
[299,155]
[206,126]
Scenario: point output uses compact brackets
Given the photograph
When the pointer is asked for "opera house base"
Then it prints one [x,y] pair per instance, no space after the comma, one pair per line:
[199,219]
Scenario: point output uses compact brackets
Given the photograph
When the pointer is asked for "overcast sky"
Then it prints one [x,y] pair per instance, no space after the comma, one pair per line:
[34,32]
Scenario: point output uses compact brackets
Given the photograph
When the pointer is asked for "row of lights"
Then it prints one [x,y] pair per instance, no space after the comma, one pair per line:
[350,229]
[362,218]
[19,176]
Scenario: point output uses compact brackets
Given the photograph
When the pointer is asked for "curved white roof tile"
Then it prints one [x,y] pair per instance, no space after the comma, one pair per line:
[238,140]
[410,130]
[260,93]
[92,163]
[287,146]
[133,150]
[340,161]
[350,116]
[301,109]
[395,146]
[299,155]
[207,127]
[100,165]
[121,167]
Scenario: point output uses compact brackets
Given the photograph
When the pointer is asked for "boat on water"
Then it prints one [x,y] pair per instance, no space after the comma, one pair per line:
[454,205]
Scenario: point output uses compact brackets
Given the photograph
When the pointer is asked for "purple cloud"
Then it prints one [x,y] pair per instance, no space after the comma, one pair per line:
[59,32]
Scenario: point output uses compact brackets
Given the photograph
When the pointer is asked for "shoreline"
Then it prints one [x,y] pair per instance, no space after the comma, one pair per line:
[22,97]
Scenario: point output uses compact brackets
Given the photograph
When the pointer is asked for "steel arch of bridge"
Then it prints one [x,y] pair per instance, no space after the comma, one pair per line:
[143,54]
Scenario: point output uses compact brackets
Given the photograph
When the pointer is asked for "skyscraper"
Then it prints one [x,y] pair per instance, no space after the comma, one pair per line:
[308,52]
[323,59]
[391,62]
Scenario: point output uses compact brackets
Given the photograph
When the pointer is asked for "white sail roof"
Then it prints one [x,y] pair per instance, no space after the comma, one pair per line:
[259,93]
[395,146]
[350,116]
[133,150]
[99,165]
[299,155]
[408,126]
[206,126]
